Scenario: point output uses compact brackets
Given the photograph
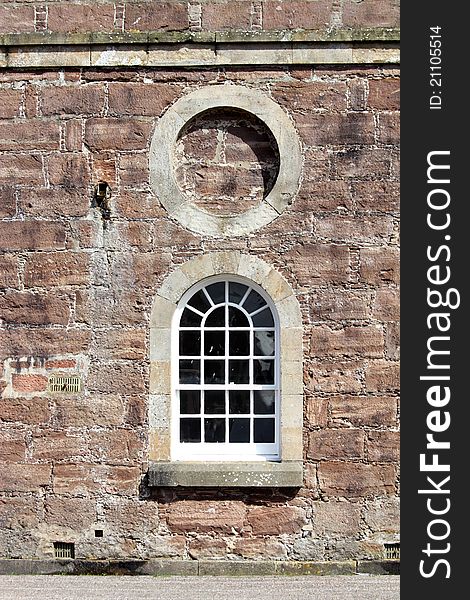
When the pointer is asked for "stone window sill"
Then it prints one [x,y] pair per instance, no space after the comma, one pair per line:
[225,474]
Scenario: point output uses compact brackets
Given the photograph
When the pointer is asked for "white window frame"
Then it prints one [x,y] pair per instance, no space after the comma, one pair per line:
[226,451]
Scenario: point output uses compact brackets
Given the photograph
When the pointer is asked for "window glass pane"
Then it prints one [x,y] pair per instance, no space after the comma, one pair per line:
[263,372]
[200,302]
[214,430]
[217,292]
[236,292]
[190,318]
[238,371]
[216,318]
[239,343]
[264,402]
[214,371]
[253,302]
[190,402]
[190,371]
[214,402]
[190,343]
[190,430]
[239,402]
[263,319]
[236,318]
[264,431]
[239,430]
[214,343]
[263,343]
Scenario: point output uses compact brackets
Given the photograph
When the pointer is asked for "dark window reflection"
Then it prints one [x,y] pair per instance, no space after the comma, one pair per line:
[190,430]
[214,402]
[253,302]
[236,292]
[239,430]
[190,343]
[263,372]
[217,292]
[239,343]
[264,343]
[236,318]
[190,319]
[239,371]
[264,431]
[239,402]
[264,402]
[263,319]
[200,302]
[190,371]
[190,402]
[214,371]
[214,430]
[216,318]
[214,343]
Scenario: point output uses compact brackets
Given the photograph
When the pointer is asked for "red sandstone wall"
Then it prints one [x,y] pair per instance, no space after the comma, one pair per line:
[76,296]
[61,16]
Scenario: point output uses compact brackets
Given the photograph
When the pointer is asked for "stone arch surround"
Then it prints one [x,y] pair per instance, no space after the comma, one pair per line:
[163,471]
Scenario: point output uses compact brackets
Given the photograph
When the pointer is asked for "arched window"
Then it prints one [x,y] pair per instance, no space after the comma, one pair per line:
[225,373]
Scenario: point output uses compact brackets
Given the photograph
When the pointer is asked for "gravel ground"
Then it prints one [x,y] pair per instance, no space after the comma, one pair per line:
[70,587]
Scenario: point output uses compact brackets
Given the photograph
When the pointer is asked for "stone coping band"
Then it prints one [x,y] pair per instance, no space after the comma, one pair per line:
[162,172]
[373,34]
[226,474]
[166,568]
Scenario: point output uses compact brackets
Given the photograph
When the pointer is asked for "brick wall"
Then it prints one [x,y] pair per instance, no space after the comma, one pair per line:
[77,288]
[61,16]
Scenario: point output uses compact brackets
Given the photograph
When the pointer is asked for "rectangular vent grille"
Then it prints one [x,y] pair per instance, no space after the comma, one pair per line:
[64,550]
[68,384]
[392,551]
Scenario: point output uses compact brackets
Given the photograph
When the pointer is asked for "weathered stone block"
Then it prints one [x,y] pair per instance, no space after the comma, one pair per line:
[70,513]
[43,342]
[382,376]
[387,305]
[336,444]
[87,99]
[206,516]
[260,548]
[359,162]
[35,309]
[69,170]
[117,134]
[343,304]
[275,520]
[54,203]
[384,94]
[337,518]
[319,263]
[140,98]
[31,411]
[307,97]
[379,265]
[29,135]
[10,101]
[380,196]
[18,477]
[52,269]
[24,169]
[359,411]
[334,129]
[170,16]
[365,341]
[383,446]
[9,271]
[296,14]
[355,480]
[73,17]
